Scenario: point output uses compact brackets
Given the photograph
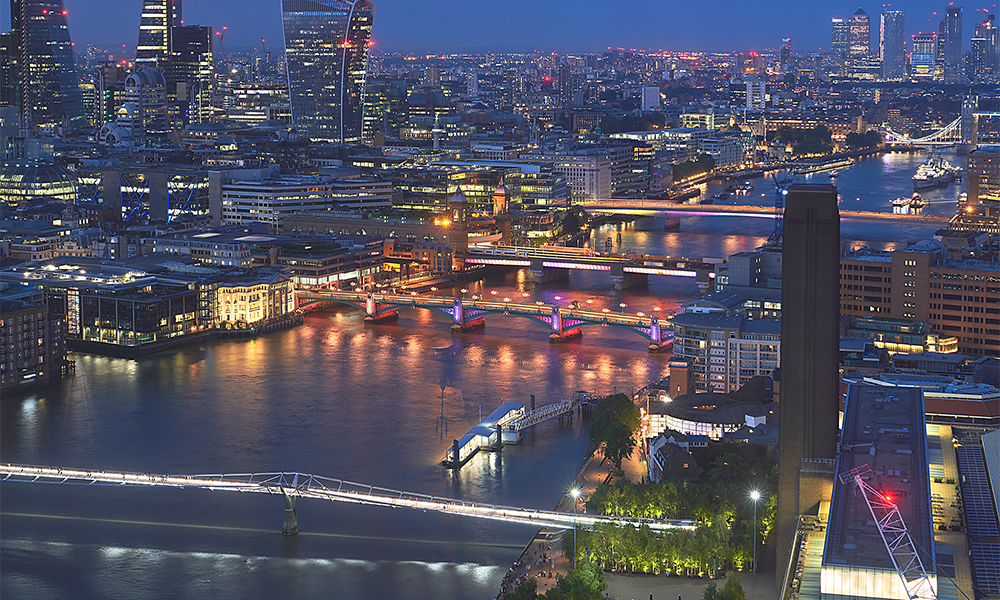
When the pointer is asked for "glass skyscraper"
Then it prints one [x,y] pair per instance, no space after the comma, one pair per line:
[326,49]
[892,48]
[48,87]
[155,23]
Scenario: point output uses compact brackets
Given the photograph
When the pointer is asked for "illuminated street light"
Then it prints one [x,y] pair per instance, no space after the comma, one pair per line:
[622,306]
[755,496]
[575,492]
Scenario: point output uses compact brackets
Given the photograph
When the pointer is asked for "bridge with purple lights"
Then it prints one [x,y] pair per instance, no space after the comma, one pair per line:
[562,323]
[658,207]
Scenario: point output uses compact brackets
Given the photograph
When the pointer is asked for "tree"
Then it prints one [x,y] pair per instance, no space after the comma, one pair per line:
[580,584]
[528,590]
[618,444]
[731,591]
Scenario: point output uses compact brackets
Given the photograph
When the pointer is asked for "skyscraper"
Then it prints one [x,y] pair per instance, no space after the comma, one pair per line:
[326,49]
[923,56]
[785,55]
[861,35]
[953,35]
[48,88]
[155,21]
[840,44]
[891,45]
[809,378]
[189,71]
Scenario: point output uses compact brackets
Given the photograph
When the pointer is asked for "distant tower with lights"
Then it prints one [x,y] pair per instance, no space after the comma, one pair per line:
[48,88]
[501,212]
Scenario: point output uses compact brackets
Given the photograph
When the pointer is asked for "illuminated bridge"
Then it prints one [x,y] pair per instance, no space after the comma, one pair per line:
[302,485]
[626,270]
[656,207]
[562,323]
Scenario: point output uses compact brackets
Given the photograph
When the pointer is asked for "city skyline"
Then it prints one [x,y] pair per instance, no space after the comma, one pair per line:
[584,26]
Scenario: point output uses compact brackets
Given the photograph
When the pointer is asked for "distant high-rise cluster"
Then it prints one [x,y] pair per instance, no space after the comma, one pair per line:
[182,52]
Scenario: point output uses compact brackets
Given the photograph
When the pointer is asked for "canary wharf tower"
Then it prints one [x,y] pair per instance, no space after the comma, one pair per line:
[326,49]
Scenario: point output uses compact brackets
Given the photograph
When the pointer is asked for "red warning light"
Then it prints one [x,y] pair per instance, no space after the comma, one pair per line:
[888,499]
[547,78]
[64,13]
[45,11]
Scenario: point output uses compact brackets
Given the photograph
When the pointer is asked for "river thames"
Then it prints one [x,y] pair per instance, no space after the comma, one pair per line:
[334,397]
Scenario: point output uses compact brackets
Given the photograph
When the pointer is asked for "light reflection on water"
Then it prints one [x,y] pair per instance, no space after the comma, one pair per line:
[377,404]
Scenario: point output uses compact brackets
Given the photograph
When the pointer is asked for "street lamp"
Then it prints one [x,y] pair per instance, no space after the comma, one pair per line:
[622,306]
[575,492]
[755,496]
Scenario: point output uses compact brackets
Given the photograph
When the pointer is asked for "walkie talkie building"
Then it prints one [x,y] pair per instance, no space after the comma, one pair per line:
[326,49]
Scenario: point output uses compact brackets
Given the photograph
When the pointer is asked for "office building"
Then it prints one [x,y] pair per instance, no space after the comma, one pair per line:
[32,347]
[785,54]
[189,74]
[891,46]
[246,197]
[840,44]
[48,89]
[983,167]
[923,56]
[861,34]
[953,35]
[326,49]
[810,342]
[155,23]
[756,91]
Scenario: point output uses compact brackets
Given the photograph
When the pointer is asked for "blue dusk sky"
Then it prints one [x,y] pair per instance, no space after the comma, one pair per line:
[559,25]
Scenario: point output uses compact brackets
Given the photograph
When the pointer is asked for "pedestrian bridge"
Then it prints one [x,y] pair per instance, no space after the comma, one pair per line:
[563,323]
[291,485]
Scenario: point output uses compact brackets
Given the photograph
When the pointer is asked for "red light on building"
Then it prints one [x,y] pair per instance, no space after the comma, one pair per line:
[45,11]
[64,13]
[547,78]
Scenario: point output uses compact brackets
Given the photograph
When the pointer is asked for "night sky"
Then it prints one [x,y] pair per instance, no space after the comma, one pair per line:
[560,25]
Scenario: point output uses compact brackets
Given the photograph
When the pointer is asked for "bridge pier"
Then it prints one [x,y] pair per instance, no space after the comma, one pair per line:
[544,274]
[291,524]
[470,325]
[392,315]
[564,336]
[628,280]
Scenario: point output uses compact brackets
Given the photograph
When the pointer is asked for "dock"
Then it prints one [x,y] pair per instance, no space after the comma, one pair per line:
[486,435]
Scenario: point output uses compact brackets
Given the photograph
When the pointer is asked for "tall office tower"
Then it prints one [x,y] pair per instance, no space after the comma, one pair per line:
[472,89]
[378,92]
[47,82]
[976,67]
[155,22]
[940,50]
[891,46]
[326,50]
[923,63]
[189,72]
[785,54]
[8,70]
[840,43]
[810,342]
[953,35]
[861,35]
[987,32]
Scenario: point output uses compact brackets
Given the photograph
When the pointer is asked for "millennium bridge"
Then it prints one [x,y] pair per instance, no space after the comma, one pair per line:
[292,485]
[562,323]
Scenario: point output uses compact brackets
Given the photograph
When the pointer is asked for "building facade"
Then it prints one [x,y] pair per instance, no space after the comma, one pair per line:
[725,350]
[326,49]
[48,89]
[891,45]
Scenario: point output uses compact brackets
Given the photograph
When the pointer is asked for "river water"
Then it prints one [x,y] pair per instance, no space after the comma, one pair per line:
[334,397]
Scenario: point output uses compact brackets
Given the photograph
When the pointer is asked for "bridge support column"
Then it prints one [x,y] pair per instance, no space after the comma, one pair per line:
[467,326]
[371,312]
[291,524]
[628,280]
[544,274]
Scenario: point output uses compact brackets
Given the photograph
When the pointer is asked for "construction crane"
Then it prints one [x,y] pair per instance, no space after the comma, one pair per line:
[222,51]
[780,191]
[902,551]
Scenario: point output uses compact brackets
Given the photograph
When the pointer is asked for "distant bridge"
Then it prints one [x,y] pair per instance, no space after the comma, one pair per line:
[292,485]
[656,207]
[949,135]
[563,323]
[626,270]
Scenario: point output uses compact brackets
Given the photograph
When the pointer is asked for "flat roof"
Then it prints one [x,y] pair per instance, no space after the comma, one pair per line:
[883,428]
